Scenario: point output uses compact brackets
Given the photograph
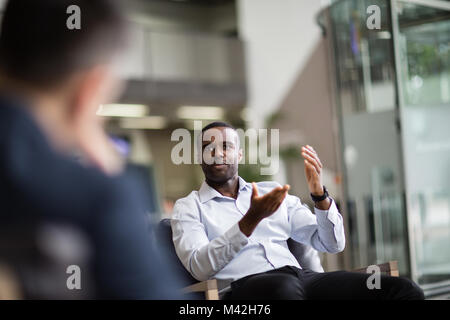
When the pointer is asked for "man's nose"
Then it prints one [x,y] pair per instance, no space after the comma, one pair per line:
[219,155]
[217,152]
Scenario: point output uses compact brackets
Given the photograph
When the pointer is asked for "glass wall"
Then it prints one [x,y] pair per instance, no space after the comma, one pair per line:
[393,105]
[424,81]
[366,94]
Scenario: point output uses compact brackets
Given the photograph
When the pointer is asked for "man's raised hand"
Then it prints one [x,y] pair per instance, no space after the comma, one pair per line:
[313,173]
[313,170]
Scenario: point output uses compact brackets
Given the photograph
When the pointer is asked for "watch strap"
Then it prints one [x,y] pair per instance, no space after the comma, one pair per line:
[320,198]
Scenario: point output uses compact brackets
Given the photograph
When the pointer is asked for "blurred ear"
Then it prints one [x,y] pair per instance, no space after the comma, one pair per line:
[240,155]
[90,89]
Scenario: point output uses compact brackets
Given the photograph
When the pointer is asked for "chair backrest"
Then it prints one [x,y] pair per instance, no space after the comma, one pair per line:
[307,257]
[163,234]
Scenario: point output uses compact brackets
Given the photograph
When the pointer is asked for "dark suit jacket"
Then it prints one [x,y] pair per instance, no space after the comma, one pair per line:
[40,186]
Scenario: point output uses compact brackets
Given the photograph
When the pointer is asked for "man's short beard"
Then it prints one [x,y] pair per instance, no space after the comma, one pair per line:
[221,179]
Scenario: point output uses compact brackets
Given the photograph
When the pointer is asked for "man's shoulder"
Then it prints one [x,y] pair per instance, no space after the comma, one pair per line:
[187,205]
[45,181]
[188,200]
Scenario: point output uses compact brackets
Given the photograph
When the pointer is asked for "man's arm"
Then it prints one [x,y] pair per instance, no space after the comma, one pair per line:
[324,231]
[201,257]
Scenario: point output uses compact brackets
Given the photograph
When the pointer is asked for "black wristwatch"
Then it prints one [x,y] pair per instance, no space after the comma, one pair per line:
[320,198]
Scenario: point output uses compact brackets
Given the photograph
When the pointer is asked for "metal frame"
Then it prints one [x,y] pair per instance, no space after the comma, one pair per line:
[436,4]
[396,38]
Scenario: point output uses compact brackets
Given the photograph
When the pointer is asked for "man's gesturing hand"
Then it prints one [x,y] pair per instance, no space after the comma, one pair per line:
[262,207]
[313,170]
[313,173]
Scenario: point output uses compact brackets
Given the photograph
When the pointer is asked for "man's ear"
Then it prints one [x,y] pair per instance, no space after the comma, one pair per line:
[240,155]
[90,89]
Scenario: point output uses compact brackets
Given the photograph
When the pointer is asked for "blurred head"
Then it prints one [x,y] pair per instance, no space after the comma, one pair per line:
[42,57]
[221,152]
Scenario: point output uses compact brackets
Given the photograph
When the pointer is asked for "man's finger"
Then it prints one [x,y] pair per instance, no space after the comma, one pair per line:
[274,195]
[274,191]
[254,190]
[311,168]
[279,201]
[279,197]
[311,148]
[312,161]
[313,155]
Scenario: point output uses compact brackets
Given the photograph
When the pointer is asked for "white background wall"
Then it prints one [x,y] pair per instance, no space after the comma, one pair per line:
[279,36]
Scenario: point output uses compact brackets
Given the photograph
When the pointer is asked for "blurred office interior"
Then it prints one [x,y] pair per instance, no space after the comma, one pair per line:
[374,103]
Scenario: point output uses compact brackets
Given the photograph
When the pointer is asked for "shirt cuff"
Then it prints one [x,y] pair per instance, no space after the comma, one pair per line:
[236,238]
[331,214]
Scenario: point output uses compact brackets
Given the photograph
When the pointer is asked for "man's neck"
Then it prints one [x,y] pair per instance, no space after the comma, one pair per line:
[229,189]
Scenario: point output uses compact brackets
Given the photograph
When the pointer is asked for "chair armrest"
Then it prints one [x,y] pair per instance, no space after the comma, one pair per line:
[390,268]
[209,287]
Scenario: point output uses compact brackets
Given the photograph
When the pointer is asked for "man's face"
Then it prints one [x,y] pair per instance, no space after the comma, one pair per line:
[220,154]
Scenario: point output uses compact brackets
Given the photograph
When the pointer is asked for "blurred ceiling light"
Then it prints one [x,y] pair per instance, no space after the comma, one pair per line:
[123,110]
[200,112]
[152,122]
[383,35]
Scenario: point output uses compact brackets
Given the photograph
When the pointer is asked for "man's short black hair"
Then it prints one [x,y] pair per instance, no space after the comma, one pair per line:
[38,48]
[218,124]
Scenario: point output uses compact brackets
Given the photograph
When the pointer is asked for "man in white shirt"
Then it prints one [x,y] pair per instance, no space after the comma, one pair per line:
[236,232]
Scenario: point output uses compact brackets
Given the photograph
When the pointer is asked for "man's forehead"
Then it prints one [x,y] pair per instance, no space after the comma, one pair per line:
[221,133]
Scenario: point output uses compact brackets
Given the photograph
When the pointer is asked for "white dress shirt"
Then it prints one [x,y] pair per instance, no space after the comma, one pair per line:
[209,243]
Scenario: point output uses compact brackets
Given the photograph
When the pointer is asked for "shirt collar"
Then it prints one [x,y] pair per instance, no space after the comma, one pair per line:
[207,193]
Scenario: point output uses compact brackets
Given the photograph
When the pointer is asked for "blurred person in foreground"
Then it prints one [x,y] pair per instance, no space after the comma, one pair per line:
[52,81]
[237,232]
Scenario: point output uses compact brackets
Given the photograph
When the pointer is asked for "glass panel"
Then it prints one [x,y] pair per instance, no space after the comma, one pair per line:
[424,73]
[366,95]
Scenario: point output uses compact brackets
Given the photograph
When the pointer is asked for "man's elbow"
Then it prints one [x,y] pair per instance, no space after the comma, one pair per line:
[199,275]
[196,270]
[338,247]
